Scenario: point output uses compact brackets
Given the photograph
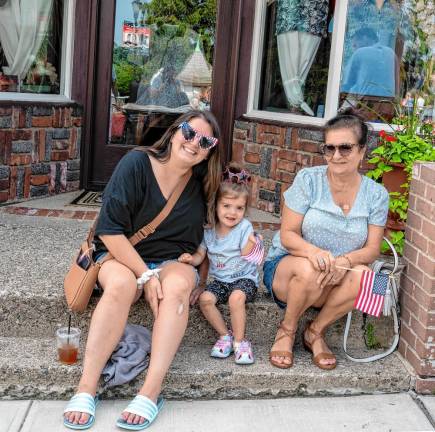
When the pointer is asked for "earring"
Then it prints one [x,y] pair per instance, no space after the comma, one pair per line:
[361,164]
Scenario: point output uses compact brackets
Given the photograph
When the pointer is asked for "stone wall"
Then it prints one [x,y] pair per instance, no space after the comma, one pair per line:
[417,343]
[39,150]
[274,154]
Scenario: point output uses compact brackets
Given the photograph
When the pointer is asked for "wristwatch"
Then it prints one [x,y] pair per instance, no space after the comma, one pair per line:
[146,276]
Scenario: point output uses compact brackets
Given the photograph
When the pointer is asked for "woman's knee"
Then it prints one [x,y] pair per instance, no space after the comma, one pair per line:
[237,299]
[177,286]
[297,271]
[120,290]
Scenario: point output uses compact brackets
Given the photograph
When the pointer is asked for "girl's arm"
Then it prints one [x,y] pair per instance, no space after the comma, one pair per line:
[252,241]
[193,259]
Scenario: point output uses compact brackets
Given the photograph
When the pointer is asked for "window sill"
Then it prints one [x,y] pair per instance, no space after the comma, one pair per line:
[34,99]
[281,119]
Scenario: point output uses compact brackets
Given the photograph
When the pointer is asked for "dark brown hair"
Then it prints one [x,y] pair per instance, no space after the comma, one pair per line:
[161,150]
[349,119]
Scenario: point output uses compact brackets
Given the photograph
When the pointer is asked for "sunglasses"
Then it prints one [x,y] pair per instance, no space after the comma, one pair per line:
[344,149]
[241,177]
[189,134]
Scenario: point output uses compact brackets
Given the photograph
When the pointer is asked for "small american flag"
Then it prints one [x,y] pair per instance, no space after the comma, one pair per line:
[257,253]
[371,293]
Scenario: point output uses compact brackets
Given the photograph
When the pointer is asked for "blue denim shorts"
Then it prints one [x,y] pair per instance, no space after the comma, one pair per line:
[269,269]
[151,265]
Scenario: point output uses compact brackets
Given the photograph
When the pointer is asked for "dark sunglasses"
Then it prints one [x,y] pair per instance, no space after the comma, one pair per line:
[344,149]
[189,134]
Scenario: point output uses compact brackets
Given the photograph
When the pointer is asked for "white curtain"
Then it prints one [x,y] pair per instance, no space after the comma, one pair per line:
[296,53]
[23,25]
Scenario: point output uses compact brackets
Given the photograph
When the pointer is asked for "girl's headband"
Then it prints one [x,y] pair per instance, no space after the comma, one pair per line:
[241,177]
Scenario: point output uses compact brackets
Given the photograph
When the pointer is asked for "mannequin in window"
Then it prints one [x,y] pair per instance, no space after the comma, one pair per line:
[371,69]
[300,25]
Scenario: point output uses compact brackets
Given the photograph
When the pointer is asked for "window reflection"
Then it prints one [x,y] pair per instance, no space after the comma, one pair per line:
[160,69]
[386,59]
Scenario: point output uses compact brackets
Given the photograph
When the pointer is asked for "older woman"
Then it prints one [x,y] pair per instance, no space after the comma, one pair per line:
[333,220]
[137,191]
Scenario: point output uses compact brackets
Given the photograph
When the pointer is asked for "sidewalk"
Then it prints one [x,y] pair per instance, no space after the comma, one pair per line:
[377,413]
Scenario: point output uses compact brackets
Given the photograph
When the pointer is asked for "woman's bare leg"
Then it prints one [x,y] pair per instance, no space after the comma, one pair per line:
[106,328]
[207,304]
[295,283]
[338,302]
[178,281]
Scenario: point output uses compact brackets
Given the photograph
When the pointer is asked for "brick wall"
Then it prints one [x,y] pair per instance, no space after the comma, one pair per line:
[39,151]
[417,343]
[274,154]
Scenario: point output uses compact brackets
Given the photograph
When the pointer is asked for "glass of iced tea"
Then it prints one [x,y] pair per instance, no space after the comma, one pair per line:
[68,344]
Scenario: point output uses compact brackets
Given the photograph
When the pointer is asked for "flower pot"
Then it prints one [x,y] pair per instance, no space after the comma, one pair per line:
[394,178]
[118,124]
[394,223]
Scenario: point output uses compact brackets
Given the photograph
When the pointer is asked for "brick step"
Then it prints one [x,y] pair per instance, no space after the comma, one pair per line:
[29,370]
[40,316]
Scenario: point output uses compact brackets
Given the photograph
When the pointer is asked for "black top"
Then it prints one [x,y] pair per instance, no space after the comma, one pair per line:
[133,198]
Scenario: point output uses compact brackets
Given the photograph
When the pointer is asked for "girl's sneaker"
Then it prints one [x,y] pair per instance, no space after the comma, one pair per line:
[223,347]
[244,354]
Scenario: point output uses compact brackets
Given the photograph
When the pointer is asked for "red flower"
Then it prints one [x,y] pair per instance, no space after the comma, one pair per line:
[390,138]
[382,133]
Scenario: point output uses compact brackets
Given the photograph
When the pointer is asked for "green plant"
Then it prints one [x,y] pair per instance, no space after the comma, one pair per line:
[370,338]
[399,204]
[410,140]
[397,239]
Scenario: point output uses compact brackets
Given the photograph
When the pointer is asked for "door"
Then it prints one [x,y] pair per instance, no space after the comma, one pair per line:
[149,70]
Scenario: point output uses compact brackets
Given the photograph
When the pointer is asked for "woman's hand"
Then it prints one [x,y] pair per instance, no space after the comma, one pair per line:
[194,295]
[322,260]
[339,272]
[153,294]
[185,258]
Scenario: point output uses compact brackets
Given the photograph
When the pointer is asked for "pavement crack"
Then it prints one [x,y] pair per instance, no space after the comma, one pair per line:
[25,416]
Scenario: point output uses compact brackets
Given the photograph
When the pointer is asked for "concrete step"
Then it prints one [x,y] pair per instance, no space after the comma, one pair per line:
[36,253]
[29,369]
[41,315]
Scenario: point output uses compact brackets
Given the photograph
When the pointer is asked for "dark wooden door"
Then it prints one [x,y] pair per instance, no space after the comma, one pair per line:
[108,137]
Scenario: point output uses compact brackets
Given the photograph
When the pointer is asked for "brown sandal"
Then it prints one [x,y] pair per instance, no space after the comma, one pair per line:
[321,356]
[286,354]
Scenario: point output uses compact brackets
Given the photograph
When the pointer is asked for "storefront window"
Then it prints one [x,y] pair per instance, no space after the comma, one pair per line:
[161,67]
[31,46]
[296,57]
[386,59]
[317,57]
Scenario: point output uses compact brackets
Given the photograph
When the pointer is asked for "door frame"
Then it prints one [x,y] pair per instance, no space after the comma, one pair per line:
[234,24]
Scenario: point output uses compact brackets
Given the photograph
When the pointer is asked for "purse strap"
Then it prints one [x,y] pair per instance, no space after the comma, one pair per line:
[152,226]
[148,229]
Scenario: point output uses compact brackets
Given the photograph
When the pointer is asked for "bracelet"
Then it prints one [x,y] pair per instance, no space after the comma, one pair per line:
[146,276]
[347,258]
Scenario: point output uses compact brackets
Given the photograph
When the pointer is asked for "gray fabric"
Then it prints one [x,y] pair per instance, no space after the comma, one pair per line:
[130,358]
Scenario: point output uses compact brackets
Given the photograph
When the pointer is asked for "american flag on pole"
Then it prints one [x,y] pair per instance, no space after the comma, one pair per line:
[257,253]
[371,293]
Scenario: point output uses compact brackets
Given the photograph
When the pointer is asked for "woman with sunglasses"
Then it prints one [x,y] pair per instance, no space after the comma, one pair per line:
[138,190]
[333,220]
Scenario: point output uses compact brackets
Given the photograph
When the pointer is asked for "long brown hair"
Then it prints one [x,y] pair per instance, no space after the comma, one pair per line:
[161,150]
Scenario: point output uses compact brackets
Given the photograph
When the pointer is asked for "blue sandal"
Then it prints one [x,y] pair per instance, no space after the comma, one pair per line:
[84,403]
[143,407]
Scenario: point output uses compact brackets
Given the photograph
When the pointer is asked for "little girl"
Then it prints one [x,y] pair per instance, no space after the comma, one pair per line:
[234,252]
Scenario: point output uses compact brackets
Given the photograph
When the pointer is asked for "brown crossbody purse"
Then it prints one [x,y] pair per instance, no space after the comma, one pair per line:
[82,276]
